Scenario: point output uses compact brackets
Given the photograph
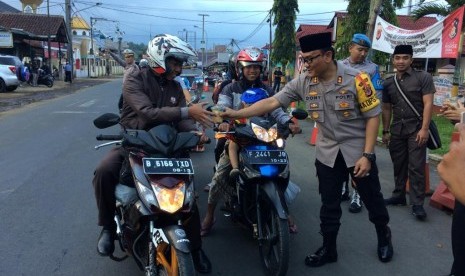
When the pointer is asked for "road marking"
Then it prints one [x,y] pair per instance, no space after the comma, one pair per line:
[74,112]
[7,191]
[87,104]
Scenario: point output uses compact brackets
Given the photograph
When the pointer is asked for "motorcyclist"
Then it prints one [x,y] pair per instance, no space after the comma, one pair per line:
[249,65]
[151,97]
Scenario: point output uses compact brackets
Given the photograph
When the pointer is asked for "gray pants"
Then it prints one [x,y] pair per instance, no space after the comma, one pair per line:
[409,163]
[221,187]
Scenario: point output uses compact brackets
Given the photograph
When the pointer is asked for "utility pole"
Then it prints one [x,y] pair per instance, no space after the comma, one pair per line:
[269,50]
[374,9]
[70,36]
[202,43]
[49,47]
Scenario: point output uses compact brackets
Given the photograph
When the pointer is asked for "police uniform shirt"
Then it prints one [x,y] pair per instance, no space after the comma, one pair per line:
[340,109]
[372,69]
[414,84]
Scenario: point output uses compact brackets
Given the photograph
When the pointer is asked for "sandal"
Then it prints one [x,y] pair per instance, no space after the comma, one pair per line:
[206,229]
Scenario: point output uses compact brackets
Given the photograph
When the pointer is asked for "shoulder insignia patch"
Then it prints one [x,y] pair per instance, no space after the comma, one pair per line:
[366,95]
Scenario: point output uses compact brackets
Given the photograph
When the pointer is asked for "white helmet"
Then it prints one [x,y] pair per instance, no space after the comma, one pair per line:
[163,46]
[128,52]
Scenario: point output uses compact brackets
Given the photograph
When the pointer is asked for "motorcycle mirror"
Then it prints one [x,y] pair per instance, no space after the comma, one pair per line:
[299,114]
[106,120]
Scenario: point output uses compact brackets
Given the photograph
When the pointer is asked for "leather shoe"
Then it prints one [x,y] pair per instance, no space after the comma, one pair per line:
[106,244]
[419,212]
[385,249]
[201,262]
[321,257]
[396,200]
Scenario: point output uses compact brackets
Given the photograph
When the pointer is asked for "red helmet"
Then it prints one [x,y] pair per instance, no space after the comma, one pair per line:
[249,56]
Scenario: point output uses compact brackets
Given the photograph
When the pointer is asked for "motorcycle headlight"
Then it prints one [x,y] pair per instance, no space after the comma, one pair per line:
[265,135]
[170,200]
[146,194]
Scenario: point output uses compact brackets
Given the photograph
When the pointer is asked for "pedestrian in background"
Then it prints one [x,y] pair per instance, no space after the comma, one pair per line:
[343,102]
[406,136]
[35,73]
[68,71]
[358,49]
[277,74]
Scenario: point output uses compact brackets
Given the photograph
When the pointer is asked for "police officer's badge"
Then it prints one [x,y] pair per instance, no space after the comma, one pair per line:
[312,93]
[313,106]
[342,91]
[315,115]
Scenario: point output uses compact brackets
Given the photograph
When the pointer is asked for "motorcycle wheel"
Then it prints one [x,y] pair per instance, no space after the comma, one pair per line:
[49,83]
[172,262]
[274,249]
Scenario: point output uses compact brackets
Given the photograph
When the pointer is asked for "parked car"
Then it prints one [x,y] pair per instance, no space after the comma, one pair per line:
[10,66]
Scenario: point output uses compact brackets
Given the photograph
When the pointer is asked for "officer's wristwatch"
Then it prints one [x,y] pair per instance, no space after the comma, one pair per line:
[370,156]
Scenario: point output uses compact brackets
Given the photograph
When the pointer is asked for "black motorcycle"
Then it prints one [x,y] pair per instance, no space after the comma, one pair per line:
[45,79]
[149,216]
[259,202]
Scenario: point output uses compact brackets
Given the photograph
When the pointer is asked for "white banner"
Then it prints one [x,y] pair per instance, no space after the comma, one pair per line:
[440,40]
[6,40]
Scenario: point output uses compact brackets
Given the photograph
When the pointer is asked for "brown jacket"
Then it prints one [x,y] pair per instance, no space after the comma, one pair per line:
[151,100]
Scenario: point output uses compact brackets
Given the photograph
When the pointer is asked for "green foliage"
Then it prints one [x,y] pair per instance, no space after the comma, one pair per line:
[284,12]
[437,9]
[356,22]
[138,49]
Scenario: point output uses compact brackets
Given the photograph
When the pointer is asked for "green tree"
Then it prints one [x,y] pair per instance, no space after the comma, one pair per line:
[138,49]
[284,12]
[356,22]
[435,8]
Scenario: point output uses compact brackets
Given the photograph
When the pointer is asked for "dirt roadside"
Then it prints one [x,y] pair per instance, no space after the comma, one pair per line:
[26,94]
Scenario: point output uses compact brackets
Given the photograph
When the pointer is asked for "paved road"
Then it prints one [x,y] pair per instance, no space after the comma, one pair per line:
[48,217]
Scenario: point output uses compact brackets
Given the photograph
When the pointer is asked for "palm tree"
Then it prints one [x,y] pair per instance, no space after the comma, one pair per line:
[435,8]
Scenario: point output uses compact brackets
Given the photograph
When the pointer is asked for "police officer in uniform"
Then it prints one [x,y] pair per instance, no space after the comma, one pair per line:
[407,135]
[358,49]
[343,102]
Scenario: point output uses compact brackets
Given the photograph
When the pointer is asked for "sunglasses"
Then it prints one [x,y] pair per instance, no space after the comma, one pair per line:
[309,60]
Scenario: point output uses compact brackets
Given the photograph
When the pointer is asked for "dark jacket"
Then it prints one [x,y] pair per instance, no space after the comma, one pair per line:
[150,100]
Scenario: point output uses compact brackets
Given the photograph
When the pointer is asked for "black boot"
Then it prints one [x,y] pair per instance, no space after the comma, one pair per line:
[106,241]
[201,262]
[325,254]
[385,249]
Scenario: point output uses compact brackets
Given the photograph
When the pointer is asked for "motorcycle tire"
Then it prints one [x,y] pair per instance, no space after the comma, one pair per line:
[49,83]
[274,248]
[171,260]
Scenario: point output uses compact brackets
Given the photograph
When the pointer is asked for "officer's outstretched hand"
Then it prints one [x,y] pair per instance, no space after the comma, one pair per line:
[362,167]
[229,114]
[198,113]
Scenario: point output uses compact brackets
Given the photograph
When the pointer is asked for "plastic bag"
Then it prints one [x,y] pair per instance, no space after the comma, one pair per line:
[291,192]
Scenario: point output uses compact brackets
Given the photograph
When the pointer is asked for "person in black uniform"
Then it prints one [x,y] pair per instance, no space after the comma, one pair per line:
[407,135]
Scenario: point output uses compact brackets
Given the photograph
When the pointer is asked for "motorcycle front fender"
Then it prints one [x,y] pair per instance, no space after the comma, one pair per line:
[270,190]
[177,237]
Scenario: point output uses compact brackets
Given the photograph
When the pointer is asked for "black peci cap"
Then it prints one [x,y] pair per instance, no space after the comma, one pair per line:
[314,42]
[403,50]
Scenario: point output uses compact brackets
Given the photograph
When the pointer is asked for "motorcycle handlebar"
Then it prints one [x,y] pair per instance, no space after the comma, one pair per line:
[102,137]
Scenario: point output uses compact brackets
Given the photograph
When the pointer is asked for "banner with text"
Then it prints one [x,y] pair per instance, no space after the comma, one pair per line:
[440,40]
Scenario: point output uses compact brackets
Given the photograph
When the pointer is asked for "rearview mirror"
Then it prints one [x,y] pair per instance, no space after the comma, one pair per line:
[106,120]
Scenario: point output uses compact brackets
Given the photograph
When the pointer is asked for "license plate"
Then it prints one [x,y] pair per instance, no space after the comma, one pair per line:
[167,166]
[267,157]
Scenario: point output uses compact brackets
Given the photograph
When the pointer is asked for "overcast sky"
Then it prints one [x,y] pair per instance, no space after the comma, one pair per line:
[241,20]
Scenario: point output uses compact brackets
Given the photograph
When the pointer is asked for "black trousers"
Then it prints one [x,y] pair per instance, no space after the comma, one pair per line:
[276,85]
[330,185]
[458,240]
[106,177]
[409,163]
